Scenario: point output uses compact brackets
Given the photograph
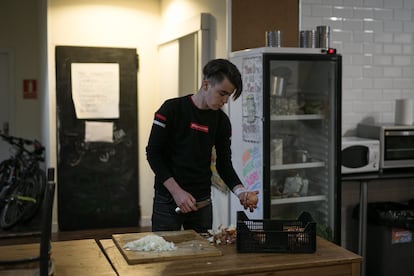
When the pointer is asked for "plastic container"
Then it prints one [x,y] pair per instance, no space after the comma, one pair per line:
[276,236]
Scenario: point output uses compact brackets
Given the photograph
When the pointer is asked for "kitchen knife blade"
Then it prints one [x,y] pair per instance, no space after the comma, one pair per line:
[198,204]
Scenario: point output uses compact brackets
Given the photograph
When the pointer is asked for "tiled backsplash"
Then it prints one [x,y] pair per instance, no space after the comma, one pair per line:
[375,38]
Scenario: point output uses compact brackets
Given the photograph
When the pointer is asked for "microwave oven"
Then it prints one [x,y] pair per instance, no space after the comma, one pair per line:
[396,143]
[359,155]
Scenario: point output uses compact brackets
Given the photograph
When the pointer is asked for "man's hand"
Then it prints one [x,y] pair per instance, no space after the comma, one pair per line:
[182,198]
[249,200]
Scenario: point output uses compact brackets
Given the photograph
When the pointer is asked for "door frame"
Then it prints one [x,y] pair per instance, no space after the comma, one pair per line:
[11,101]
[200,25]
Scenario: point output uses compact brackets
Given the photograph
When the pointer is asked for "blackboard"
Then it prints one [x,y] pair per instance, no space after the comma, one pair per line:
[97,181]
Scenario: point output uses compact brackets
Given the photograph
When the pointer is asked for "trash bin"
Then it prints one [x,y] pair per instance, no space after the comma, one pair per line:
[390,241]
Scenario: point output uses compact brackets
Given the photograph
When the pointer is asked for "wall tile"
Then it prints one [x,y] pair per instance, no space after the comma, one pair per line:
[391,94]
[333,2]
[343,12]
[383,37]
[408,72]
[382,60]
[384,14]
[353,24]
[408,4]
[360,37]
[393,26]
[374,3]
[372,72]
[402,60]
[383,83]
[392,71]
[353,48]
[321,10]
[363,83]
[363,12]
[394,4]
[393,49]
[403,38]
[408,26]
[373,25]
[402,14]
[375,38]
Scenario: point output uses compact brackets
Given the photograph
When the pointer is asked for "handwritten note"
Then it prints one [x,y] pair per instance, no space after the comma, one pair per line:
[95,90]
[99,132]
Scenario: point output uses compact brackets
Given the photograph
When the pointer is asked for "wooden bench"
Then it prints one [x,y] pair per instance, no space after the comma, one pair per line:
[77,257]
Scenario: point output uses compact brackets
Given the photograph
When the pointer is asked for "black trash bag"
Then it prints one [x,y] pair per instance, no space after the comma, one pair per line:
[391,214]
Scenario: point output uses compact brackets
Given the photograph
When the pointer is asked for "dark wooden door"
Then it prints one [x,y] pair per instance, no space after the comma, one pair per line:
[97,178]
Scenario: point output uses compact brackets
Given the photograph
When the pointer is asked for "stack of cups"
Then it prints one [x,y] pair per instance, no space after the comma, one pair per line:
[319,38]
[324,36]
[274,38]
[308,39]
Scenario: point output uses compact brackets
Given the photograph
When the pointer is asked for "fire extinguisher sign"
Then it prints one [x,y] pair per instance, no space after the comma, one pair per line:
[29,89]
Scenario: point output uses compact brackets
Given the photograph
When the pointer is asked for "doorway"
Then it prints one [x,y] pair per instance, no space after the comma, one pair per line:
[7,99]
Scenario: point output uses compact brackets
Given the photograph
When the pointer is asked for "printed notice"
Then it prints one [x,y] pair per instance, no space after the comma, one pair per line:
[95,90]
[99,132]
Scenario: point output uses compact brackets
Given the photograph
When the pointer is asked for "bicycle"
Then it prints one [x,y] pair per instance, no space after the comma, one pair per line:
[22,181]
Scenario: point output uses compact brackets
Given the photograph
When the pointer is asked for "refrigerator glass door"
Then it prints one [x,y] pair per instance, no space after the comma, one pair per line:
[300,134]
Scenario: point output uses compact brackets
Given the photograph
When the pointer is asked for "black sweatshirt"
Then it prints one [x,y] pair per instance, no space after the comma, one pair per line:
[180,146]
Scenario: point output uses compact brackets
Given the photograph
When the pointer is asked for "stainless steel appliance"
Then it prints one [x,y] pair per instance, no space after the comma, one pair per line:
[396,143]
[286,137]
[359,155]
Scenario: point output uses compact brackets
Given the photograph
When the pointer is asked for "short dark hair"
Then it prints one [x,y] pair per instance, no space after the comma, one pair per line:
[218,69]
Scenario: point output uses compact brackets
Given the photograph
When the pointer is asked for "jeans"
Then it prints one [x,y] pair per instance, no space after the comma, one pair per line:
[164,217]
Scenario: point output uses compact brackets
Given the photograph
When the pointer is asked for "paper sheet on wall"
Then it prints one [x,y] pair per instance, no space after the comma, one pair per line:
[99,132]
[95,90]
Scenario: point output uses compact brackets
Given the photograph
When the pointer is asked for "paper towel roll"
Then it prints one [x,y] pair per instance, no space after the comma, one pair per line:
[404,112]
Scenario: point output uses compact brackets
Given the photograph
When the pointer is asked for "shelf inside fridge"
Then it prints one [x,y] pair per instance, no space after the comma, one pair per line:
[292,166]
[296,117]
[301,199]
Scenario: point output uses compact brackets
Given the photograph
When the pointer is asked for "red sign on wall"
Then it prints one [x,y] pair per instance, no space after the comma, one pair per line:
[29,89]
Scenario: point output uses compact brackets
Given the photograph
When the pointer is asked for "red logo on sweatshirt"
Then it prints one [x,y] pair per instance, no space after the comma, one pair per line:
[198,127]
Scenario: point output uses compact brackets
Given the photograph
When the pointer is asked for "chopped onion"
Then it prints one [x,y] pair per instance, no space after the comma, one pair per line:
[150,243]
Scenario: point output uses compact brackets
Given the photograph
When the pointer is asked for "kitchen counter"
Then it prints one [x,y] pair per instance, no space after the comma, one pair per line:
[329,259]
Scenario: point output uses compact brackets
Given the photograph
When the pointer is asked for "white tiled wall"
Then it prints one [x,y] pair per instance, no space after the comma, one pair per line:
[375,39]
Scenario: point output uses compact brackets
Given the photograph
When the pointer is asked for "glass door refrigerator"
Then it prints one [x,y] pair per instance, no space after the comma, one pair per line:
[286,134]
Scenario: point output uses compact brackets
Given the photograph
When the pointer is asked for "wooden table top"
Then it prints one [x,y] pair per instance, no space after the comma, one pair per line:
[76,257]
[329,259]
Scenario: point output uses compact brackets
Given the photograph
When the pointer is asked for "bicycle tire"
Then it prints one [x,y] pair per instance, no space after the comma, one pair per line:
[38,193]
[24,201]
[5,178]
[5,171]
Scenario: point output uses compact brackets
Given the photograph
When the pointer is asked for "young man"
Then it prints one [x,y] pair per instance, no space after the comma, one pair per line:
[179,151]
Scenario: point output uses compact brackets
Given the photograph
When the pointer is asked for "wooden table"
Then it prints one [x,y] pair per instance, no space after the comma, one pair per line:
[77,257]
[329,259]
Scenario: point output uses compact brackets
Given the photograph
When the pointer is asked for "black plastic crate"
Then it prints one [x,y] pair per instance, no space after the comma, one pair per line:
[276,236]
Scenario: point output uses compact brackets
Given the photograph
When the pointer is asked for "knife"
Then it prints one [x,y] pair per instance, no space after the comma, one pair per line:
[198,204]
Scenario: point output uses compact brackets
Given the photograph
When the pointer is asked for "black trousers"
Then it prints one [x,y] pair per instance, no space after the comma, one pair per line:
[164,217]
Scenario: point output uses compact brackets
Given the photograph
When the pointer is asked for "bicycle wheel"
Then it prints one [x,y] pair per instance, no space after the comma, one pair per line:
[5,178]
[24,201]
[5,171]
[36,191]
